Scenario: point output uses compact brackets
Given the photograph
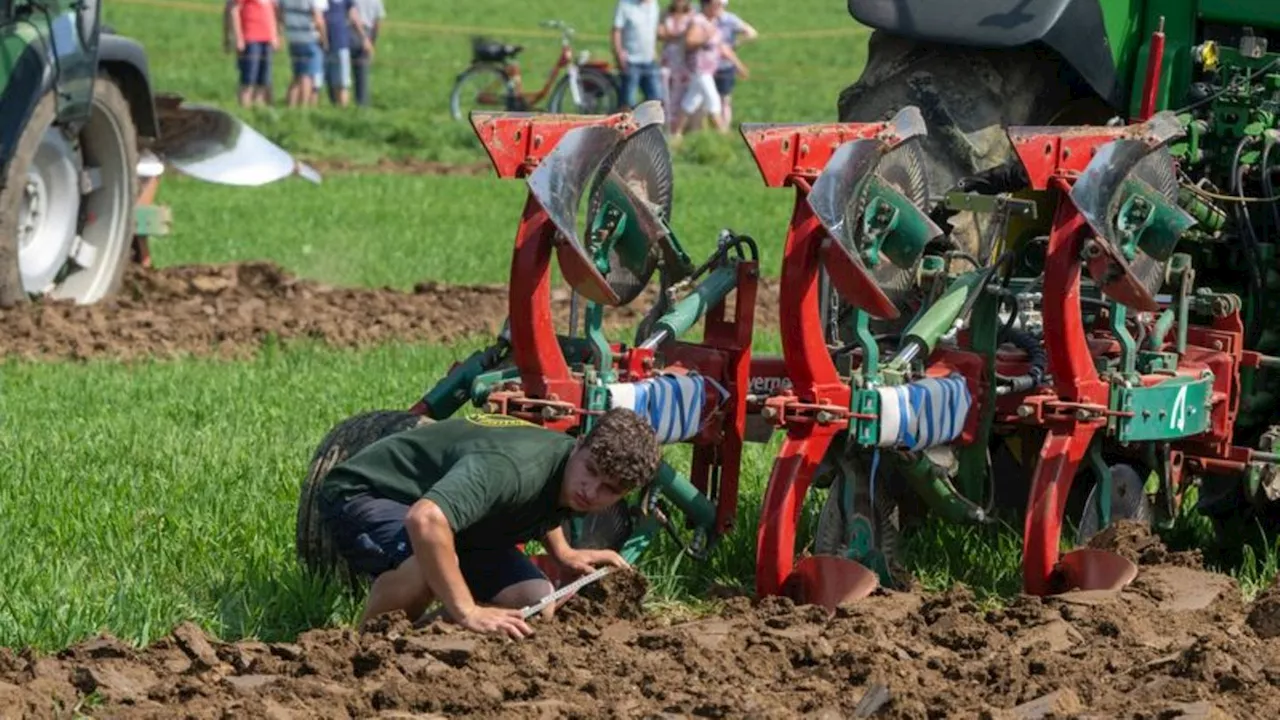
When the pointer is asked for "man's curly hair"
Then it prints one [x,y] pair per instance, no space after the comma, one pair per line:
[624,447]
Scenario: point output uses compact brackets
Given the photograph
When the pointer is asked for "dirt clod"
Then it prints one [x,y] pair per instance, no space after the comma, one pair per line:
[230,311]
[1135,541]
[1131,654]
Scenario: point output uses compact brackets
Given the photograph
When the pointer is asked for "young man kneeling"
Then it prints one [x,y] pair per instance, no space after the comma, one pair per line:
[436,512]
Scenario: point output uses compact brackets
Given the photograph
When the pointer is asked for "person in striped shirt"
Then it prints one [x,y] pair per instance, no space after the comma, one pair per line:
[304,29]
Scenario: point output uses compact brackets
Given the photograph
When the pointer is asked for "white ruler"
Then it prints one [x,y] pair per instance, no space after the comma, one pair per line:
[569,589]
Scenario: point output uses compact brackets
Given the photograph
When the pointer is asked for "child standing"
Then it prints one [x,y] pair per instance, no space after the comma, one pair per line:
[253,29]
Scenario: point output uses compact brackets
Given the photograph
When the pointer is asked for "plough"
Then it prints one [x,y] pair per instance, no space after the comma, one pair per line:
[1076,335]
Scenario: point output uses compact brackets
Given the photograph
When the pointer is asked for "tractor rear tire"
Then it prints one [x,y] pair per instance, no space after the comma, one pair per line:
[968,98]
[108,144]
[315,547]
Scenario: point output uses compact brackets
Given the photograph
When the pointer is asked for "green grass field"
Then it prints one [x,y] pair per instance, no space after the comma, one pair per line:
[140,495]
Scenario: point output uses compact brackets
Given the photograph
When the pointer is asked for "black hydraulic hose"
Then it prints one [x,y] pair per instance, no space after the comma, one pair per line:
[1268,188]
[1039,360]
[1254,266]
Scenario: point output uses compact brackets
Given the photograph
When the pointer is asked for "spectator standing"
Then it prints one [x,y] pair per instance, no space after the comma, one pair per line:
[343,21]
[733,31]
[304,29]
[371,15]
[675,71]
[253,30]
[706,47]
[635,47]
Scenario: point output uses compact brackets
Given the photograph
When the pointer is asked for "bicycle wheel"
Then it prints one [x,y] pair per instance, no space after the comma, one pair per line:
[599,94]
[481,87]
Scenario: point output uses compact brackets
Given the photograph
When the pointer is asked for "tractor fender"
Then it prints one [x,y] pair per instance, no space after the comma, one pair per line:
[1074,29]
[26,84]
[126,62]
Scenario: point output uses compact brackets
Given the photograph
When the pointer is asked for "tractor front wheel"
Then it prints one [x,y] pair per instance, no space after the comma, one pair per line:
[67,204]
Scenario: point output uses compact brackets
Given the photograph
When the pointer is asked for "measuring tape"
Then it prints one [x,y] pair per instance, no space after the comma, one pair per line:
[569,589]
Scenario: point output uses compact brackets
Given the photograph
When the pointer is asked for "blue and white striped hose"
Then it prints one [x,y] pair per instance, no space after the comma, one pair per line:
[923,413]
[673,404]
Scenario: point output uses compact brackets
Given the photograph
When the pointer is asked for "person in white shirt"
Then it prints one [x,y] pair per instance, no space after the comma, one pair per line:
[371,15]
[635,46]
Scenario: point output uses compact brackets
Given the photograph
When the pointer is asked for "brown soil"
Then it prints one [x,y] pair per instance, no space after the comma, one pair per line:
[1178,643]
[230,310]
[404,166]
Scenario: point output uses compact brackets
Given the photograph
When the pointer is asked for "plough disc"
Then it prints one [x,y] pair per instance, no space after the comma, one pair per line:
[630,175]
[635,179]
[558,184]
[868,191]
[1127,501]
[1128,194]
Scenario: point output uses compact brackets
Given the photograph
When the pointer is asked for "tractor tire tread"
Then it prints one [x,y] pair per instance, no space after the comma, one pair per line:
[315,547]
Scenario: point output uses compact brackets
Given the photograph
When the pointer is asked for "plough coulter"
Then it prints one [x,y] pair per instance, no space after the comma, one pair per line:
[1084,351]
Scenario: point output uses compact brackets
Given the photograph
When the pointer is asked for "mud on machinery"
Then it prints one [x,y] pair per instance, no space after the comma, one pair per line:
[1076,324]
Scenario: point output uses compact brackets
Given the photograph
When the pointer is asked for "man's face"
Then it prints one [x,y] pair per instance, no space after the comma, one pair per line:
[584,489]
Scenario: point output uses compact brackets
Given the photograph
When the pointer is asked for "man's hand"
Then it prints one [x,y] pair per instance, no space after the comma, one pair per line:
[496,620]
[584,562]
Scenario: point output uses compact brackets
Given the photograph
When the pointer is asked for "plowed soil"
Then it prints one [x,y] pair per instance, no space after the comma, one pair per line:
[230,310]
[1177,643]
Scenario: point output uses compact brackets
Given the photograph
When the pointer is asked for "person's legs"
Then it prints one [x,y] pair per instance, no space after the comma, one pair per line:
[262,82]
[695,98]
[725,80]
[340,76]
[651,82]
[630,85]
[247,63]
[707,85]
[360,75]
[368,532]
[299,59]
[317,73]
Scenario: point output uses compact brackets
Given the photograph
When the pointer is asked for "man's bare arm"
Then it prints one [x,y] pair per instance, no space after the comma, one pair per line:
[433,548]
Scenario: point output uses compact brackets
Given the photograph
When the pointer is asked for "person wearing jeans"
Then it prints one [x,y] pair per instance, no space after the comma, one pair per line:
[305,31]
[371,15]
[343,21]
[253,31]
[635,46]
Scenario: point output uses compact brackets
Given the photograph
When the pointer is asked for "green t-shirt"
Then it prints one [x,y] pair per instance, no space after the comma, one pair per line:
[496,479]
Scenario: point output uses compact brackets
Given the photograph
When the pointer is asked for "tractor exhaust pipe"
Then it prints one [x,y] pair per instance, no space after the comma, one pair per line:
[1151,86]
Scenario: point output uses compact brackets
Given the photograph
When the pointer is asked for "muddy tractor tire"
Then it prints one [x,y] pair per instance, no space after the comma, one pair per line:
[67,204]
[968,98]
[315,547]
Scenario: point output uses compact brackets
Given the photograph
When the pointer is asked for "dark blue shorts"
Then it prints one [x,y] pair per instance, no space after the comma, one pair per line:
[255,64]
[370,535]
[725,79]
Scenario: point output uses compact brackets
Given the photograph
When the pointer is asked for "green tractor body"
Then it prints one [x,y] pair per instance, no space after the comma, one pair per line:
[83,141]
[1210,220]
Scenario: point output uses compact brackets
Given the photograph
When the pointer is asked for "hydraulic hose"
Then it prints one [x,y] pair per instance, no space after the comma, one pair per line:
[1249,238]
[1039,360]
